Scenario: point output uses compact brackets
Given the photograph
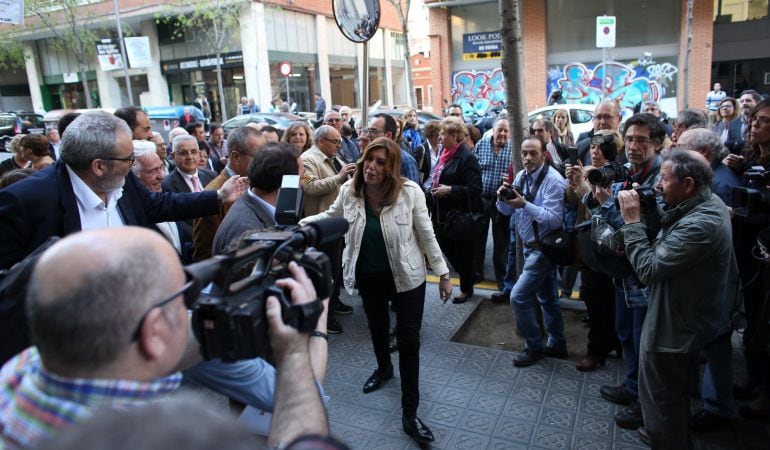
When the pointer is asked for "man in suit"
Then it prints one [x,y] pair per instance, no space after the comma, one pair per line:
[53,142]
[243,144]
[738,127]
[92,187]
[348,149]
[606,117]
[187,177]
[255,209]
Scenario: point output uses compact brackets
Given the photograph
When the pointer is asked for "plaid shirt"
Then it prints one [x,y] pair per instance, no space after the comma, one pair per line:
[34,402]
[493,166]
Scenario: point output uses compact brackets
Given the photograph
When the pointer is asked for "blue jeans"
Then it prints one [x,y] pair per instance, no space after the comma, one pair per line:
[250,381]
[628,325]
[537,277]
[510,266]
[717,389]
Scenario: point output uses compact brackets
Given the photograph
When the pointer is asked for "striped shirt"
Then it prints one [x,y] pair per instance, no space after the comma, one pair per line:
[34,402]
[493,165]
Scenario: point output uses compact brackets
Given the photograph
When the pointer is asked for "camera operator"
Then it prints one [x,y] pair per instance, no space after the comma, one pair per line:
[692,277]
[596,288]
[110,328]
[643,136]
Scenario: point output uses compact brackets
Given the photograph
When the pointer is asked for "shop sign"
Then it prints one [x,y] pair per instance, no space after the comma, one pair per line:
[138,51]
[12,11]
[205,62]
[482,42]
[481,55]
[108,52]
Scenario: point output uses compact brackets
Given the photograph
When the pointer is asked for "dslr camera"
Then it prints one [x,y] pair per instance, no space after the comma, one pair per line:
[751,204]
[506,193]
[647,199]
[611,173]
[229,322]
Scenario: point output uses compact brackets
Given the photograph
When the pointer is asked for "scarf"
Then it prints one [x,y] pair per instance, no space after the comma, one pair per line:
[446,155]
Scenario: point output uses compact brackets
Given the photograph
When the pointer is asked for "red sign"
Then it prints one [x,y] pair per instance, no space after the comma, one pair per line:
[285,68]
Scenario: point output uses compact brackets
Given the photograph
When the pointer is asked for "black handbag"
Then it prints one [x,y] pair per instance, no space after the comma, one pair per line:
[559,247]
[464,226]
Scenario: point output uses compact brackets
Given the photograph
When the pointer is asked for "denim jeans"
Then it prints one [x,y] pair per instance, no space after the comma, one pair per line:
[628,325]
[537,277]
[251,381]
[510,266]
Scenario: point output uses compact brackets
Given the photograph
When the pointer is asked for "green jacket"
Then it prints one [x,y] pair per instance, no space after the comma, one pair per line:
[691,273]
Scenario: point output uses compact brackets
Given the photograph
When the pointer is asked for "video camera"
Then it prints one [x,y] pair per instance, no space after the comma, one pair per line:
[751,204]
[229,322]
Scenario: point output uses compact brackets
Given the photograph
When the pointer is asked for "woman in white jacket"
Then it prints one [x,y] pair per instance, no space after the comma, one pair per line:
[385,248]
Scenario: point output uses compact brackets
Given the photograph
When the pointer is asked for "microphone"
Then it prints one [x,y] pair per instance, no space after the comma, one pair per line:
[323,231]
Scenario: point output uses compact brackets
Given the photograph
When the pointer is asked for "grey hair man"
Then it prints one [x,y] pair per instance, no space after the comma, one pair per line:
[692,277]
[606,117]
[708,144]
[348,149]
[686,119]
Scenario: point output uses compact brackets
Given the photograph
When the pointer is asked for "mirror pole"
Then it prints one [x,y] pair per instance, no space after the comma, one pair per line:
[365,88]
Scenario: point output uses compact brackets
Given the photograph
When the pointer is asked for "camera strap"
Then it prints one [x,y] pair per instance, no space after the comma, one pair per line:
[530,196]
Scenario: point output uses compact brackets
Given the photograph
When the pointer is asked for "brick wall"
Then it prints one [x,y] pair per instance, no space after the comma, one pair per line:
[441,56]
[535,49]
[388,18]
[699,70]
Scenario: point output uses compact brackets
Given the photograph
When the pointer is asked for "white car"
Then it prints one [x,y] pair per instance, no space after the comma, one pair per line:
[580,116]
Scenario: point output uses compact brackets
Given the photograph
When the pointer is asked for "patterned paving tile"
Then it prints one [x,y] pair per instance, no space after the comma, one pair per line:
[496,387]
[566,384]
[453,396]
[466,440]
[353,437]
[596,426]
[368,419]
[597,407]
[564,400]
[552,438]
[580,442]
[558,418]
[502,444]
[528,393]
[384,442]
[436,375]
[466,381]
[445,415]
[479,422]
[475,366]
[517,409]
[487,403]
[514,430]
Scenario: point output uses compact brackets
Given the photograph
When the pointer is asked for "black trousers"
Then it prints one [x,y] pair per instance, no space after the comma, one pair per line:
[376,290]
[460,255]
[598,293]
[334,251]
[500,239]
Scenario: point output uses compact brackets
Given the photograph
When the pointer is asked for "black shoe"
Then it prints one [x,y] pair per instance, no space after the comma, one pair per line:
[500,297]
[333,327]
[418,430]
[527,357]
[707,421]
[343,309]
[393,344]
[617,394]
[461,299]
[553,352]
[375,381]
[630,418]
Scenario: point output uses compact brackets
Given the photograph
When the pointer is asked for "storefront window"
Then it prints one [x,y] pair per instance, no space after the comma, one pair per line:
[376,85]
[739,10]
[344,85]
[72,95]
[302,84]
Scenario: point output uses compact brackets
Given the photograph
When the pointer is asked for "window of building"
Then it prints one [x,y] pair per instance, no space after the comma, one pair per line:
[739,10]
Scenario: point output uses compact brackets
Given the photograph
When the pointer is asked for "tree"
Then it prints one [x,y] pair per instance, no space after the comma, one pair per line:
[402,8]
[210,21]
[687,49]
[72,27]
[513,68]
[11,53]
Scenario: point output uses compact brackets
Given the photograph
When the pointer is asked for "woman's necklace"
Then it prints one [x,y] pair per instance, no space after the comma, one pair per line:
[375,202]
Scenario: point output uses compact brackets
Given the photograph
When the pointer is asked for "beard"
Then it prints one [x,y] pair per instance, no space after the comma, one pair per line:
[110,182]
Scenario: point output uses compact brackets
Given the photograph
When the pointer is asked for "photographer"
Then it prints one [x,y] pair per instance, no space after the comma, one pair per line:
[643,136]
[108,320]
[692,277]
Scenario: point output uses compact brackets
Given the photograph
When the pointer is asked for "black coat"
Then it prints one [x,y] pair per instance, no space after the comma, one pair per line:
[463,174]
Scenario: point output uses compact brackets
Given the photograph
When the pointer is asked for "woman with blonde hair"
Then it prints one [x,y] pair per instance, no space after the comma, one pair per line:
[563,127]
[299,135]
[389,238]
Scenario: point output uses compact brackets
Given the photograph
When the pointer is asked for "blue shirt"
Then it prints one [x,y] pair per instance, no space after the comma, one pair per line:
[493,165]
[547,208]
[409,167]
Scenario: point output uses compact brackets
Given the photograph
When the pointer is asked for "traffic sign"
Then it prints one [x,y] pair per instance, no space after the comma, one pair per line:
[285,68]
[605,31]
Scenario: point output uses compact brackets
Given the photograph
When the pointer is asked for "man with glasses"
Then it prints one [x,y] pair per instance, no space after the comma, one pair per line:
[91,187]
[606,117]
[643,136]
[324,173]
[688,118]
[110,329]
[348,149]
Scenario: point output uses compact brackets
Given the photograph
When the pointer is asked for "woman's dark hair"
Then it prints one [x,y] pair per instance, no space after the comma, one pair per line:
[752,151]
[15,175]
[393,181]
[36,143]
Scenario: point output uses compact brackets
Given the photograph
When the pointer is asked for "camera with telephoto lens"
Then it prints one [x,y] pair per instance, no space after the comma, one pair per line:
[611,173]
[751,203]
[647,199]
[229,321]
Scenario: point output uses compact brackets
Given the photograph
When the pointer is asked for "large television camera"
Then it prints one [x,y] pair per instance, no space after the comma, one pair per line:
[229,321]
[751,204]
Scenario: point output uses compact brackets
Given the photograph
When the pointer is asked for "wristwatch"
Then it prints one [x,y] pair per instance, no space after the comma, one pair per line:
[445,277]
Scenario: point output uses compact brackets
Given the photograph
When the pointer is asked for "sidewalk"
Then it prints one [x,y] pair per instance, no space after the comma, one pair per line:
[474,398]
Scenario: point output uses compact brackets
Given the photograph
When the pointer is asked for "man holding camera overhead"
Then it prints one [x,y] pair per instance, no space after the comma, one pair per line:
[643,135]
[537,200]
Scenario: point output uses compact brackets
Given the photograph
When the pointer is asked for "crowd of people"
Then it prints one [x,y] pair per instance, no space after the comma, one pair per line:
[666,217]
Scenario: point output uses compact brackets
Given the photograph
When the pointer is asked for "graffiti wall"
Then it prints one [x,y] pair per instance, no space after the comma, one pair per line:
[478,91]
[627,82]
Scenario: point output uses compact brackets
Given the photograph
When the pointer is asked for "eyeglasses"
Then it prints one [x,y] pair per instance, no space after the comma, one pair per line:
[184,153]
[333,141]
[638,139]
[190,295]
[762,121]
[604,117]
[129,159]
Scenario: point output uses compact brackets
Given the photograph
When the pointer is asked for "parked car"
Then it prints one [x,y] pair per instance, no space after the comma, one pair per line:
[51,118]
[165,118]
[276,119]
[580,116]
[19,122]
[423,117]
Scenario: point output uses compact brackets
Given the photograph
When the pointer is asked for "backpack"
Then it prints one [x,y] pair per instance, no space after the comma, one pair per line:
[14,328]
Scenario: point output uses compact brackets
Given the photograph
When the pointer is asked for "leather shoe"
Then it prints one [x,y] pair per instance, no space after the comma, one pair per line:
[417,430]
[527,357]
[706,421]
[500,297]
[393,343]
[617,394]
[553,352]
[460,299]
[589,363]
[630,418]
[333,327]
[343,310]
[375,381]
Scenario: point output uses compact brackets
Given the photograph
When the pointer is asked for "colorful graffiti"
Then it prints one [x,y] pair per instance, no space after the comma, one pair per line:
[626,82]
[478,91]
